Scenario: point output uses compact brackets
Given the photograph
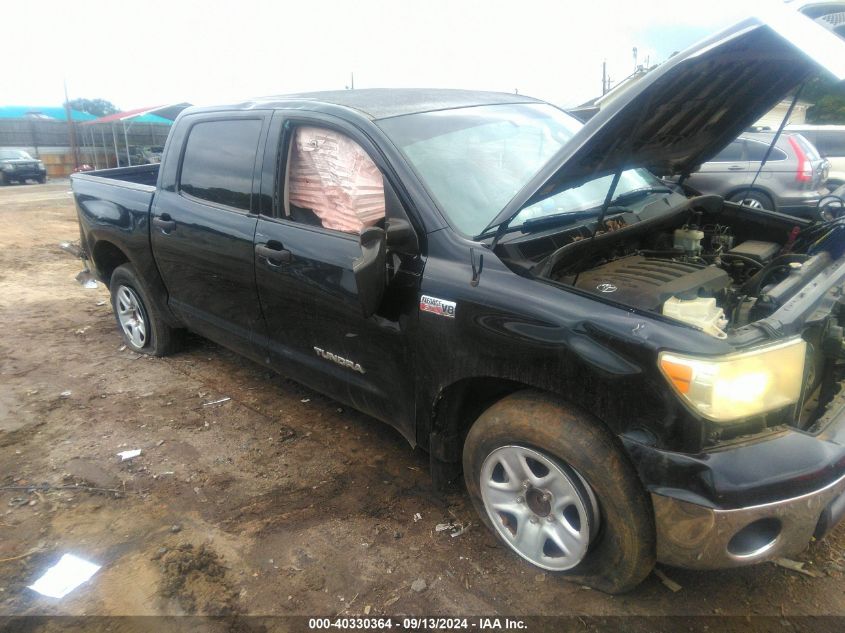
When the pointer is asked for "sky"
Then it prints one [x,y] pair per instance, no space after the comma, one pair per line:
[152,52]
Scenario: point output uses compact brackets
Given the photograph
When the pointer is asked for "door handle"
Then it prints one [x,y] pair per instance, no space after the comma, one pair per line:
[164,222]
[736,168]
[275,255]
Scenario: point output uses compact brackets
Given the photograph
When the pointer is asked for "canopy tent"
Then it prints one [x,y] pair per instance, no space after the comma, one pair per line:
[162,114]
[50,113]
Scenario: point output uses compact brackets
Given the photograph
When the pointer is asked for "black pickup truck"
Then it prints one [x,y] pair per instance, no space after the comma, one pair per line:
[624,371]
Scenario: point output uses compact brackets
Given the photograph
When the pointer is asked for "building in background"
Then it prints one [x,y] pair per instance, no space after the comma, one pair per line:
[116,140]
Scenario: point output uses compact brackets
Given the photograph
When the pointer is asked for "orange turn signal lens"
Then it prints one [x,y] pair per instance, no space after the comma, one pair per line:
[680,375]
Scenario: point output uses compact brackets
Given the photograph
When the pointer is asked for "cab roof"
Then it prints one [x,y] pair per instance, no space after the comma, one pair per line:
[382,103]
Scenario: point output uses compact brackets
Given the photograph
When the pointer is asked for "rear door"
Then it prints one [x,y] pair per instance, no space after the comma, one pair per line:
[203,225]
[316,332]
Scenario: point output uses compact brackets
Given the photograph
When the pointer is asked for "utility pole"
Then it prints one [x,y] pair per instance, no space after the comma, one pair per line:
[604,77]
[352,81]
[74,149]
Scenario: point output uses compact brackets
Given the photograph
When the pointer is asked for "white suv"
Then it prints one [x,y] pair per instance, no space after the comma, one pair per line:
[830,141]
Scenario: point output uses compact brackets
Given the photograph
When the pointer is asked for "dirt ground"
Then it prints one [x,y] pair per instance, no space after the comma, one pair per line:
[276,501]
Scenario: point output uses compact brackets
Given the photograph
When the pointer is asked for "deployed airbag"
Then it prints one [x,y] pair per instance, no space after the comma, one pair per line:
[333,176]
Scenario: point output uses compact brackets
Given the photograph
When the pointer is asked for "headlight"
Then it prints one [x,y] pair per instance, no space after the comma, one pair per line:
[8,167]
[40,165]
[738,385]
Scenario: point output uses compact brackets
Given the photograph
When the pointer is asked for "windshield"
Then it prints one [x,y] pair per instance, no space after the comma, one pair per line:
[6,154]
[590,195]
[474,160]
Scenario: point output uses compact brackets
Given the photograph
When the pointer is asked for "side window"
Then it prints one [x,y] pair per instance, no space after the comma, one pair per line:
[757,151]
[731,154]
[831,143]
[331,181]
[219,159]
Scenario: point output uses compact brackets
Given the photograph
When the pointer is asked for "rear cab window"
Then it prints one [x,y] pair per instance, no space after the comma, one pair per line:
[218,162]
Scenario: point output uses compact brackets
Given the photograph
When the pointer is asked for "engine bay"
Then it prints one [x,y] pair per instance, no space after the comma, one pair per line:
[710,265]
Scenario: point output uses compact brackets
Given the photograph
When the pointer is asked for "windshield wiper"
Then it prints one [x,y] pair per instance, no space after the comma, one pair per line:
[629,196]
[617,205]
[562,219]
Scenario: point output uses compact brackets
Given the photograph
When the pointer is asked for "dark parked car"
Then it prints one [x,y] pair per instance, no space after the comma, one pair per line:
[17,165]
[791,181]
[623,374]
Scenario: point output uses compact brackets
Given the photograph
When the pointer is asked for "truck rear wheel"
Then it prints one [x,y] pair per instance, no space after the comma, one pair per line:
[138,319]
[557,490]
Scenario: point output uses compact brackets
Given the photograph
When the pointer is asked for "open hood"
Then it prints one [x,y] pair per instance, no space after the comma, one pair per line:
[684,112]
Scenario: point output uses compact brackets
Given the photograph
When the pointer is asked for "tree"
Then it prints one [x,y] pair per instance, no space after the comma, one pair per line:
[97,107]
[828,98]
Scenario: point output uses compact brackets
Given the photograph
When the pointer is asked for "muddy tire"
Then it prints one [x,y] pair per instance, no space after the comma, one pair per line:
[587,515]
[139,321]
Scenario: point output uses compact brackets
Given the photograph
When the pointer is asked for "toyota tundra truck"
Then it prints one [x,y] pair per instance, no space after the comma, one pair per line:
[623,371]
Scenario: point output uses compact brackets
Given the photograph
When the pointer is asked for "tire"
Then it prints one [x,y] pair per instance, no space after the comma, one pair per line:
[754,199]
[41,180]
[138,319]
[4,180]
[592,489]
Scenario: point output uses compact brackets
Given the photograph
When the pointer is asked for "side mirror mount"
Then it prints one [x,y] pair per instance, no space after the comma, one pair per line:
[401,237]
[369,269]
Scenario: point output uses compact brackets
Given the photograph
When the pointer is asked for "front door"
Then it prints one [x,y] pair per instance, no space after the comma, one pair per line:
[316,332]
[204,225]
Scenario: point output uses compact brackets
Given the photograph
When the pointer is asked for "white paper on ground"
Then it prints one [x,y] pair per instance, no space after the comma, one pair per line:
[124,455]
[65,576]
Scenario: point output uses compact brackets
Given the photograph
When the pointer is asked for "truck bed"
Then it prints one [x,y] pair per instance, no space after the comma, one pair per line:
[138,176]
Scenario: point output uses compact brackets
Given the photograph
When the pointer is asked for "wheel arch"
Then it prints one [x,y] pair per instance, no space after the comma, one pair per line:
[756,188]
[106,257]
[459,404]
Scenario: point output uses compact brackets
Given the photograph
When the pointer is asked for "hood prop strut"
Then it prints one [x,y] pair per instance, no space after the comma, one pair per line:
[605,205]
[774,142]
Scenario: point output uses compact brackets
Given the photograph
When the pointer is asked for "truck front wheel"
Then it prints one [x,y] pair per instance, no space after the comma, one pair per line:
[556,489]
[140,323]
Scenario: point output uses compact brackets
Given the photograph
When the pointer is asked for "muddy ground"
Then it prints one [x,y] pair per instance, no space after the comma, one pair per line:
[277,501]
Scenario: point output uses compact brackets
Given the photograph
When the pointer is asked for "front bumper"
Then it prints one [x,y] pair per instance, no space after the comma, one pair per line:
[697,537]
[750,502]
[24,174]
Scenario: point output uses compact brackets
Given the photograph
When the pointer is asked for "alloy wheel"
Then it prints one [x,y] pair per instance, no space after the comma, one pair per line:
[545,511]
[131,316]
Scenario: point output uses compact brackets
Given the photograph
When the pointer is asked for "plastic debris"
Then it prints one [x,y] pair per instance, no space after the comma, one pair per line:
[65,576]
[65,394]
[208,404]
[417,517]
[795,565]
[305,400]
[124,455]
[670,584]
[461,529]
[419,585]
[456,528]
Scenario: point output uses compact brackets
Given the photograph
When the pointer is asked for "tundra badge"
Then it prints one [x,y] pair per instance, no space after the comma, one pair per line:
[340,360]
[440,307]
